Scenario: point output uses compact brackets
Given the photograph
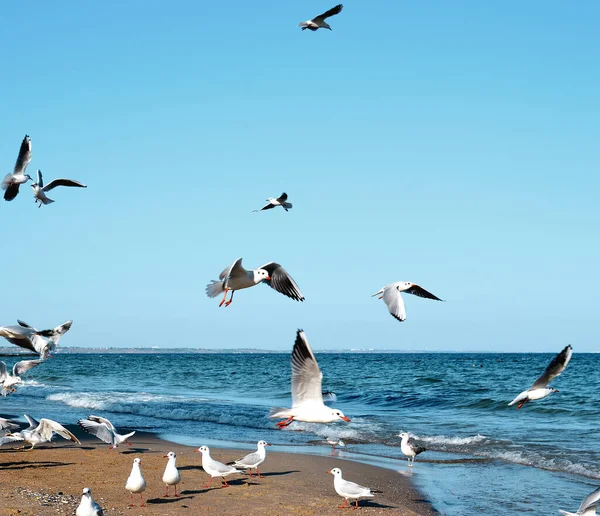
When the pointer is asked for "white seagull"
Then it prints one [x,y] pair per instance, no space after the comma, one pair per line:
[587,507]
[136,483]
[8,382]
[28,337]
[318,22]
[307,396]
[253,460]
[348,490]
[393,299]
[7,424]
[410,448]
[11,182]
[88,507]
[104,430]
[39,190]
[280,201]
[215,468]
[171,476]
[235,277]
[333,443]
[9,438]
[43,431]
[540,389]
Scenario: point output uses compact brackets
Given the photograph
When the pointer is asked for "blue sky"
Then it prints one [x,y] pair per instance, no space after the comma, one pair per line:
[451,144]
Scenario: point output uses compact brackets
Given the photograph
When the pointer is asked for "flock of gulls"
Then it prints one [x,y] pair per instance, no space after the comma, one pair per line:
[308,399]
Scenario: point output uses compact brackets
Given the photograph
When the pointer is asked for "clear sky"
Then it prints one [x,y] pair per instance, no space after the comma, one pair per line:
[451,144]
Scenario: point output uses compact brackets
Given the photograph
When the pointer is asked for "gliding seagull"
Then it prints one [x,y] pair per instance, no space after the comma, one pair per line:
[39,190]
[318,22]
[8,382]
[28,337]
[280,201]
[393,299]
[11,182]
[104,430]
[587,507]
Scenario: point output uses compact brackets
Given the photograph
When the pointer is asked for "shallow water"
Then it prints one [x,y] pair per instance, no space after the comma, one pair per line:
[536,460]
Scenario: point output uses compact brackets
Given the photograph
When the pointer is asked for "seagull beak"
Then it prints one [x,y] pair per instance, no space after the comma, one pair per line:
[165,456]
[346,419]
[267,444]
[330,472]
[268,278]
[198,450]
[555,390]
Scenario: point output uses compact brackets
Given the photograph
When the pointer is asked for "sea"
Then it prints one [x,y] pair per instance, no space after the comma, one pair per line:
[483,457]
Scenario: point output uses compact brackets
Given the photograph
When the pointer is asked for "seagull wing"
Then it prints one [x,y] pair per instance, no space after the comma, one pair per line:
[33,423]
[306,375]
[248,460]
[24,324]
[3,373]
[267,207]
[332,12]
[592,500]
[9,439]
[100,430]
[40,179]
[351,489]
[62,329]
[24,366]
[7,424]
[234,270]
[62,182]
[557,366]
[47,428]
[99,419]
[24,343]
[282,198]
[282,281]
[415,290]
[11,192]
[395,303]
[24,156]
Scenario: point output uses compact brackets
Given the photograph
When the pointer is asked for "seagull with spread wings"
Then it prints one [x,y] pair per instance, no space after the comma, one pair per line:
[235,277]
[280,201]
[104,430]
[43,431]
[39,190]
[307,396]
[540,389]
[588,506]
[9,383]
[318,22]
[12,181]
[393,299]
[27,337]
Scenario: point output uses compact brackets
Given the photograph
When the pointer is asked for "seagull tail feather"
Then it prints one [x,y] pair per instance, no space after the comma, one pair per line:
[287,205]
[214,288]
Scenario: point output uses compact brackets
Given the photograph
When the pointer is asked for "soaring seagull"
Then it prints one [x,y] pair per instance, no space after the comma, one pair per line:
[587,507]
[280,201]
[235,277]
[393,299]
[9,383]
[540,389]
[318,22]
[28,337]
[11,182]
[39,190]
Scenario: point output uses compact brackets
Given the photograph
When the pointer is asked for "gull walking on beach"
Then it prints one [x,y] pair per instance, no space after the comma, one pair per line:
[410,448]
[9,383]
[348,490]
[104,430]
[11,182]
[587,507]
[540,389]
[318,22]
[215,468]
[393,299]
[171,476]
[307,396]
[253,460]
[235,277]
[280,201]
[43,431]
[333,443]
[88,507]
[39,190]
[136,483]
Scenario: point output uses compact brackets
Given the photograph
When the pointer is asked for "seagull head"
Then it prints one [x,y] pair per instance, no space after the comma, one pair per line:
[336,472]
[29,178]
[261,275]
[403,435]
[202,450]
[338,414]
[262,444]
[87,491]
[170,455]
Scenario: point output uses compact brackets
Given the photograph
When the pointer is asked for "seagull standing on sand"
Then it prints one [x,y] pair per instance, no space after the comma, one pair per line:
[348,490]
[43,431]
[88,507]
[253,460]
[215,468]
[393,299]
[8,382]
[410,448]
[280,201]
[235,277]
[11,182]
[307,396]
[587,507]
[39,190]
[104,430]
[540,389]
[171,476]
[136,483]
[318,22]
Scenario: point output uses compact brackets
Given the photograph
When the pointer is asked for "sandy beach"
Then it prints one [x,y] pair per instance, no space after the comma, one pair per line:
[49,480]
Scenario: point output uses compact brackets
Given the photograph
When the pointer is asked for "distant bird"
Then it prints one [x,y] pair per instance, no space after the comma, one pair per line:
[393,299]
[171,476]
[215,468]
[253,460]
[336,442]
[104,430]
[88,507]
[11,182]
[410,448]
[587,507]
[39,190]
[42,431]
[280,201]
[235,277]
[318,22]
[135,483]
[307,396]
[348,490]
[8,382]
[540,389]
[44,348]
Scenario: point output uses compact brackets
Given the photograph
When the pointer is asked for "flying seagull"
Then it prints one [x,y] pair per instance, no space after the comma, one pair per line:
[348,490]
[88,507]
[318,22]
[280,201]
[9,383]
[587,507]
[393,299]
[104,430]
[235,277]
[307,397]
[42,431]
[11,182]
[28,337]
[410,448]
[253,460]
[39,190]
[540,389]
[215,468]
